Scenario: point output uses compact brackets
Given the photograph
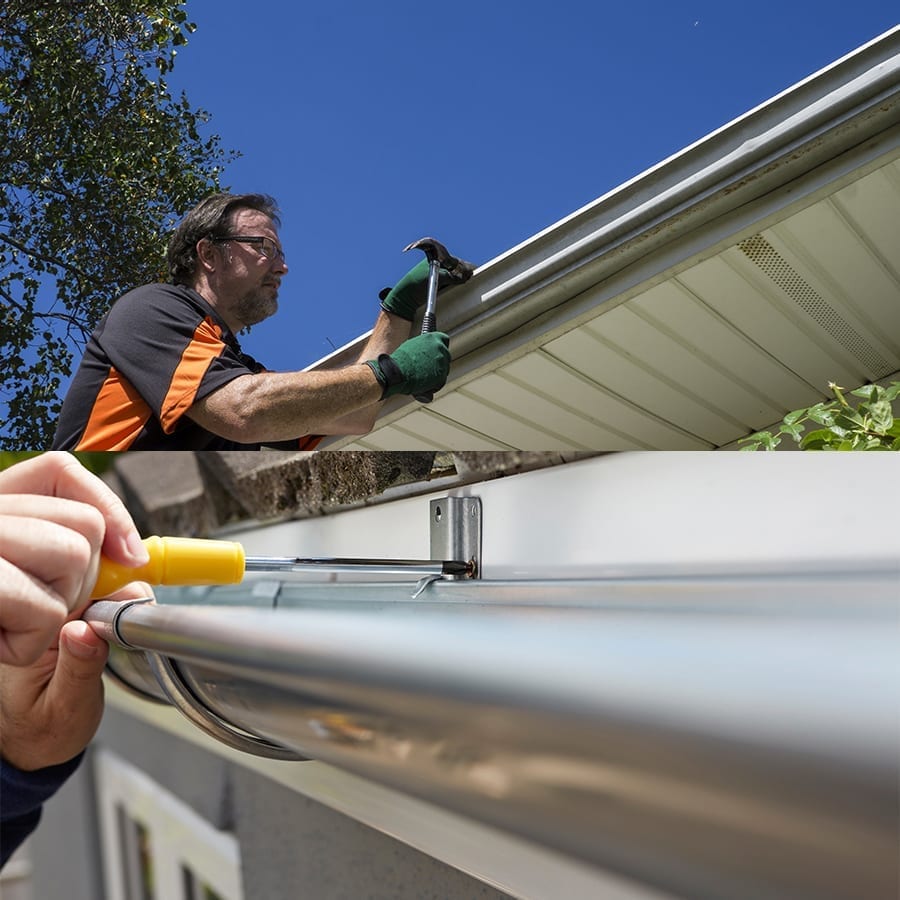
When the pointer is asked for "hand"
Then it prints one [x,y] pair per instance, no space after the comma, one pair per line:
[418,366]
[55,520]
[51,709]
[411,291]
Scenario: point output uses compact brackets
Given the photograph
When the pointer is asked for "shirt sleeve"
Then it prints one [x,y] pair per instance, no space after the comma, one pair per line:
[169,349]
[22,795]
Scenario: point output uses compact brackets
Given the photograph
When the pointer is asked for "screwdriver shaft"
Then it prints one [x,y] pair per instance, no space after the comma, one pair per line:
[362,566]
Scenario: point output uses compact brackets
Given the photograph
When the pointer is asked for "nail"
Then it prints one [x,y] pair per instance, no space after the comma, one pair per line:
[80,649]
[136,549]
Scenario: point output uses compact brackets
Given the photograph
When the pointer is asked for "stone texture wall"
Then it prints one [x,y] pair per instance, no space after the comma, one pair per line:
[193,494]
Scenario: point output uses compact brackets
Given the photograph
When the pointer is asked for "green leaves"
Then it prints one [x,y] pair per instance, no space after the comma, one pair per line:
[869,425]
[97,164]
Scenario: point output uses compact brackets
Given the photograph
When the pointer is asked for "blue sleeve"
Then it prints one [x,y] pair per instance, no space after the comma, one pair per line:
[22,795]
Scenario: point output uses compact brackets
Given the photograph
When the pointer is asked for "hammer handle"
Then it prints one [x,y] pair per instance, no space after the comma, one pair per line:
[429,320]
[429,323]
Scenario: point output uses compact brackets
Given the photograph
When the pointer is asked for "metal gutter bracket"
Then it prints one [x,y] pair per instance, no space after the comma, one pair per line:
[456,532]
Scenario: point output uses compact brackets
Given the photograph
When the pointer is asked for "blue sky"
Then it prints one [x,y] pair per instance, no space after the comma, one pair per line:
[481,123]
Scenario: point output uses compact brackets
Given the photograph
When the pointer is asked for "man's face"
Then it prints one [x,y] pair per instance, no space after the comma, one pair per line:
[252,278]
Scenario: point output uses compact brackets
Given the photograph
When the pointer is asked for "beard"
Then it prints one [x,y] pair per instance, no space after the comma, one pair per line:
[255,306]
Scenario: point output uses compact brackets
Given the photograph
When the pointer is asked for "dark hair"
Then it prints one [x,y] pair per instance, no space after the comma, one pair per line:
[211,217]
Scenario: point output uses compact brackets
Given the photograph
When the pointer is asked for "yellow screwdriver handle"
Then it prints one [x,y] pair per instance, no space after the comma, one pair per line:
[175,560]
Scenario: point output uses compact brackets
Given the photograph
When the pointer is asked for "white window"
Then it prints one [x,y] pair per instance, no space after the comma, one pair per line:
[154,846]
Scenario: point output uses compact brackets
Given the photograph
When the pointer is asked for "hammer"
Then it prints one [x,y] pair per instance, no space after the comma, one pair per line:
[438,257]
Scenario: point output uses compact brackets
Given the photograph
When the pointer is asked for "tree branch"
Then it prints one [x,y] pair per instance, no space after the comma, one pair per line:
[70,320]
[43,257]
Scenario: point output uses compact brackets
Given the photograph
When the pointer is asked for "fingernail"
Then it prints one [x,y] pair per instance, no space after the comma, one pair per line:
[79,649]
[136,549]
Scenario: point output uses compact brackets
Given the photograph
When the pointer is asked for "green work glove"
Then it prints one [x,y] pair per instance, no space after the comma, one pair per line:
[417,366]
[411,291]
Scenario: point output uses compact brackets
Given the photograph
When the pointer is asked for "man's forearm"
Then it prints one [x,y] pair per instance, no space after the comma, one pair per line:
[387,335]
[280,406]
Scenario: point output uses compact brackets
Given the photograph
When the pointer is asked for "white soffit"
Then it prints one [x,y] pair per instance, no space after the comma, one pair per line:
[698,302]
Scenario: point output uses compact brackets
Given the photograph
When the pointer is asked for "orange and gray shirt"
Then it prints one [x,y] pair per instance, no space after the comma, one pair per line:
[158,350]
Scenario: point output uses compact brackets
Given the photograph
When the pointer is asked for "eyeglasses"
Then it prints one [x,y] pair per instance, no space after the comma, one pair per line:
[267,247]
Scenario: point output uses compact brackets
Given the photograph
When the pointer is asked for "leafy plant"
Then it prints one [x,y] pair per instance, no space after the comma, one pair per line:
[869,425]
[97,163]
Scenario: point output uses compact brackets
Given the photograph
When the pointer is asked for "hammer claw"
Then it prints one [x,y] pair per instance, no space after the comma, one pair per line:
[433,249]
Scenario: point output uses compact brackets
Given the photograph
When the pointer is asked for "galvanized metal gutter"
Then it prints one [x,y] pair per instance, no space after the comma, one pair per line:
[710,736]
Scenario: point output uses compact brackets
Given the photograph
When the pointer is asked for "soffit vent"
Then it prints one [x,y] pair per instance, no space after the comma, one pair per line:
[760,252]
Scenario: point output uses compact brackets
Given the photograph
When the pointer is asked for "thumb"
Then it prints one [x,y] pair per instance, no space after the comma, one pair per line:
[82,656]
[62,724]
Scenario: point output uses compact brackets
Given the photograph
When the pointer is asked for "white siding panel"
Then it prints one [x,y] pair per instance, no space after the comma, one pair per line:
[835,260]
[390,438]
[699,375]
[701,329]
[434,428]
[560,419]
[513,416]
[573,390]
[635,379]
[738,290]
[873,205]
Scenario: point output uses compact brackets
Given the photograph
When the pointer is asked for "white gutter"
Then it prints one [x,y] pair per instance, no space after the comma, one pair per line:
[785,153]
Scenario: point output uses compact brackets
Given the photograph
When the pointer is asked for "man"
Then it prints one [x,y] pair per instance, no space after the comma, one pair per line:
[55,520]
[164,369]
